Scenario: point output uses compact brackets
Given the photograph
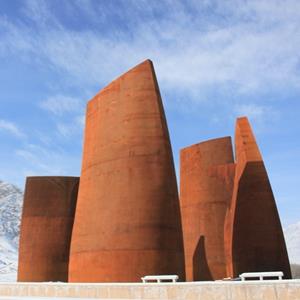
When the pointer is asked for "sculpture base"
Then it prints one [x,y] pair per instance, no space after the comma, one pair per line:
[271,290]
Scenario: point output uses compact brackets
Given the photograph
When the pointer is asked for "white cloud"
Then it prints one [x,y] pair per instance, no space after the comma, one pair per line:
[46,161]
[37,11]
[245,46]
[250,110]
[80,120]
[71,128]
[11,128]
[255,112]
[60,104]
[64,129]
[68,111]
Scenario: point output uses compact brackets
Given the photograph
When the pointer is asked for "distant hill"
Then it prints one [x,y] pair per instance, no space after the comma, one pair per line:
[11,199]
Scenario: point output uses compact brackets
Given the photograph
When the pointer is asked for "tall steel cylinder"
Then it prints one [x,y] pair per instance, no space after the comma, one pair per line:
[127,222]
[46,227]
[206,181]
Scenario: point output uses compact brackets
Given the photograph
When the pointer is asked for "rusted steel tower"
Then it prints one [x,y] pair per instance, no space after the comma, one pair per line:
[127,221]
[206,182]
[46,227]
[253,235]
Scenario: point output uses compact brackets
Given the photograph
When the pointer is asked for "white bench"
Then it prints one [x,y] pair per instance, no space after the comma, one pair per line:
[261,275]
[159,278]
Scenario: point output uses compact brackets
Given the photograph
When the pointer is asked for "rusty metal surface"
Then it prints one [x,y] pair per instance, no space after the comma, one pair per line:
[206,182]
[127,221]
[253,235]
[47,220]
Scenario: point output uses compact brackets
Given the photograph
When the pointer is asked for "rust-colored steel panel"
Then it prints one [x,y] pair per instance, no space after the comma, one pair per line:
[253,235]
[46,227]
[127,221]
[206,182]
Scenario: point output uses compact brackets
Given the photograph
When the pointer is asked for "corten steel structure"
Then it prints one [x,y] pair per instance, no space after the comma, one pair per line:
[206,182]
[46,227]
[253,235]
[127,221]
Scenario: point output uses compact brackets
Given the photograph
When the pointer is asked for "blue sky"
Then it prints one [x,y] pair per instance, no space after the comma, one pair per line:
[215,61]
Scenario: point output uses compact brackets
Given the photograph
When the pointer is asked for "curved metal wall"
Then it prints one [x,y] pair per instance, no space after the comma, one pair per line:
[46,226]
[253,235]
[127,221]
[206,181]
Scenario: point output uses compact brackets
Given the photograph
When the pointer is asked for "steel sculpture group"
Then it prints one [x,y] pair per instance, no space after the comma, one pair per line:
[123,219]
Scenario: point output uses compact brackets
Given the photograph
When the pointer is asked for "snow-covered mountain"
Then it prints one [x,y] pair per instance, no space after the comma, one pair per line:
[11,199]
[292,239]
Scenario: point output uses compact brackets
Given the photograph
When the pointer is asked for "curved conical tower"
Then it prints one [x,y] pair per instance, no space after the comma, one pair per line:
[253,235]
[46,227]
[127,221]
